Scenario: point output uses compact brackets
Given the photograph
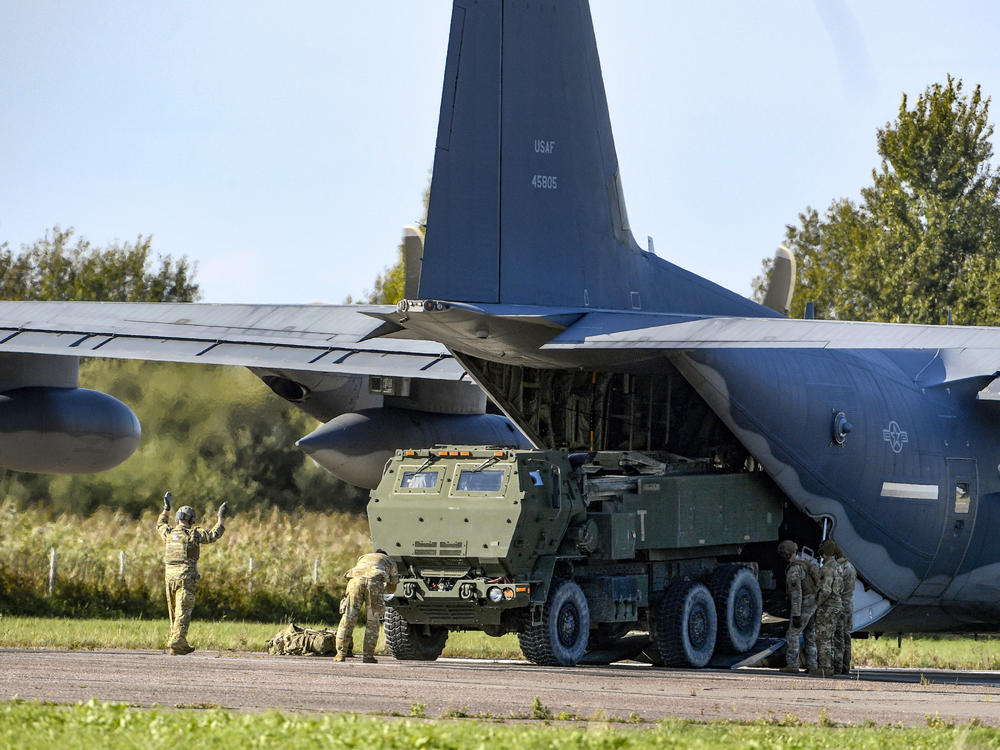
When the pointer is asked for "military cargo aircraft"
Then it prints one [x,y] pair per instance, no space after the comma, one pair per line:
[533,293]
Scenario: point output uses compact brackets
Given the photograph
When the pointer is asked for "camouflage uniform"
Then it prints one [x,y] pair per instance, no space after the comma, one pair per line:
[829,622]
[181,561]
[842,655]
[800,584]
[370,579]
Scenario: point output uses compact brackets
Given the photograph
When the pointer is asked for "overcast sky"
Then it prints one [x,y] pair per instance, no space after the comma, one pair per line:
[283,146]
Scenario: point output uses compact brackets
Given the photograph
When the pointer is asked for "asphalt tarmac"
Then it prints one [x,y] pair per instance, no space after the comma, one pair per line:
[254,681]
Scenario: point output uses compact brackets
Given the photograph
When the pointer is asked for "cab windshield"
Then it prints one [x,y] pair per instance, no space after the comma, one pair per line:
[486,480]
[413,480]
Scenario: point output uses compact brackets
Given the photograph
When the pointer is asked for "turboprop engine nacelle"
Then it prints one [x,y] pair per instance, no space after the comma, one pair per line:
[355,446]
[50,426]
[65,430]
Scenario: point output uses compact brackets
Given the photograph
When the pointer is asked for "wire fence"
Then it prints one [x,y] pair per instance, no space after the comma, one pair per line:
[267,566]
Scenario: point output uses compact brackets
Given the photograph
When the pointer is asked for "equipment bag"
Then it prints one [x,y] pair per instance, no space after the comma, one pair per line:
[299,641]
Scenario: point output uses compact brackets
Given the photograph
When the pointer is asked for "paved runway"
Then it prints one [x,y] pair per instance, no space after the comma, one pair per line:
[498,689]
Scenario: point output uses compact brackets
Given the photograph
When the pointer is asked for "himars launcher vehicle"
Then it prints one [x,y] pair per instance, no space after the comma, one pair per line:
[573,551]
[532,286]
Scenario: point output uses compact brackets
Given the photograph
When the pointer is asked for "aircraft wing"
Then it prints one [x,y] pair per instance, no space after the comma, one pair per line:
[321,338]
[609,330]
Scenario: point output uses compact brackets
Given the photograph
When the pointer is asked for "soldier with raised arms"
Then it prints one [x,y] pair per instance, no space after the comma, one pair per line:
[801,583]
[183,548]
[372,577]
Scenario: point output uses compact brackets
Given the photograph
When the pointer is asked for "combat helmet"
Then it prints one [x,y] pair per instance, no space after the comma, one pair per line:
[185,514]
[787,549]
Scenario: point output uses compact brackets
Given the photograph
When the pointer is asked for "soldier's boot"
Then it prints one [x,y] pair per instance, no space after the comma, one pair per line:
[789,669]
[340,656]
[817,672]
[369,659]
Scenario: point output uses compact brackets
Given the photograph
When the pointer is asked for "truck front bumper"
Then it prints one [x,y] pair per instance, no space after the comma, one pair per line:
[468,603]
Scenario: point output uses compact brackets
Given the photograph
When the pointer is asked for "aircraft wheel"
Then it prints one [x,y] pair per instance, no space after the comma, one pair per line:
[561,638]
[413,642]
[686,625]
[739,607]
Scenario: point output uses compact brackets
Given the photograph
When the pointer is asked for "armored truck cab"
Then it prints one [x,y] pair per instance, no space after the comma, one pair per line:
[570,551]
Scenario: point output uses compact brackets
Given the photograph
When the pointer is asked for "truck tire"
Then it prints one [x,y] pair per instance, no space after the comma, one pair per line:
[686,625]
[413,642]
[739,607]
[561,638]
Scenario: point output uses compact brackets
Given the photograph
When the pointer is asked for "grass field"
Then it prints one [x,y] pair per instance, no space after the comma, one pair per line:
[106,725]
[43,632]
[109,564]
[942,652]
[934,652]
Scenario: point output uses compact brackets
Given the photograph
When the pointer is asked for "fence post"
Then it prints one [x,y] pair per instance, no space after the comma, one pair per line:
[52,570]
[250,577]
[121,566]
[316,572]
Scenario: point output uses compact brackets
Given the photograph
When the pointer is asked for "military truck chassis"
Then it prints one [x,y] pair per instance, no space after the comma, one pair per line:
[572,552]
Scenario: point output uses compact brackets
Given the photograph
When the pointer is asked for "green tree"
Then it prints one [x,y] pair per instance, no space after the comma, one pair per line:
[924,239]
[59,267]
[388,287]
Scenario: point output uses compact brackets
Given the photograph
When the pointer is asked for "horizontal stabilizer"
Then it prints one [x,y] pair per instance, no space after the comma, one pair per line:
[608,330]
[781,284]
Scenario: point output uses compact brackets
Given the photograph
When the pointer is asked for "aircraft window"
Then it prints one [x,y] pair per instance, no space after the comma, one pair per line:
[414,480]
[485,480]
[961,497]
[536,478]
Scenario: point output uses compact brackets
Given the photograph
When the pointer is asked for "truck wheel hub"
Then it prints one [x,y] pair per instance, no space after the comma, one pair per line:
[567,625]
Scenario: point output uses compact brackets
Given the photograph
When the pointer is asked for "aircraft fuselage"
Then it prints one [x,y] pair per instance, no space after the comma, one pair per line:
[910,492]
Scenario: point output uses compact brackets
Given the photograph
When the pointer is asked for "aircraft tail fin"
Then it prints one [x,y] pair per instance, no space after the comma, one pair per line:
[526,203]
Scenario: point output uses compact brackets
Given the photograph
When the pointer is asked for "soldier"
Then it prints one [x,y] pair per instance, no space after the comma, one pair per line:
[183,543]
[828,609]
[842,656]
[370,579]
[801,579]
